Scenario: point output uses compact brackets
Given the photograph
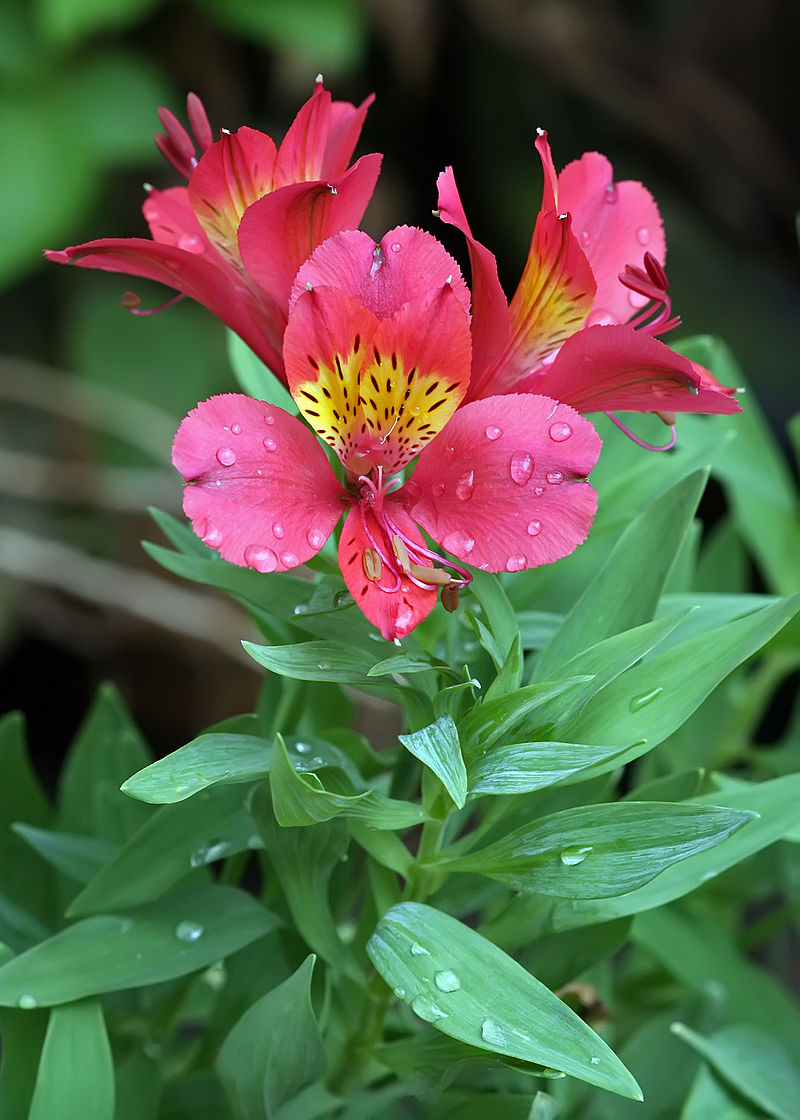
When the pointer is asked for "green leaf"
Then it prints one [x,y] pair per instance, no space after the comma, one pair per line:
[76,1071]
[304,860]
[300,800]
[485,724]
[498,614]
[437,746]
[524,767]
[469,989]
[708,1097]
[315,661]
[23,1034]
[19,928]
[274,1050]
[107,748]
[407,663]
[510,675]
[80,857]
[256,379]
[180,933]
[753,1062]
[21,874]
[204,762]
[599,851]
[776,804]
[174,841]
[626,591]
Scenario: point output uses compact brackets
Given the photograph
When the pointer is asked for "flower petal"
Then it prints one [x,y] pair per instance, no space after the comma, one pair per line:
[407,264]
[489,304]
[172,222]
[232,174]
[503,487]
[615,224]
[603,369]
[321,139]
[282,229]
[255,317]
[261,491]
[395,612]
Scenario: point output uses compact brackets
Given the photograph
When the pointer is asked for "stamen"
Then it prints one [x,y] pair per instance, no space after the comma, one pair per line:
[449,598]
[401,552]
[652,284]
[436,576]
[130,301]
[372,564]
[640,442]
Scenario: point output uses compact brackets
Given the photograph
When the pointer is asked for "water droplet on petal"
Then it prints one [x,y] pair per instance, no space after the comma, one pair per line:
[643,235]
[493,1034]
[269,418]
[226,456]
[236,429]
[465,487]
[534,528]
[190,243]
[612,194]
[212,537]
[260,557]
[418,950]
[278,530]
[289,560]
[493,432]
[437,489]
[555,478]
[515,563]
[521,467]
[560,431]
[644,698]
[270,444]
[188,931]
[538,491]
[586,237]
[600,318]
[396,246]
[316,538]
[458,542]
[427,1009]
[27,1002]
[447,980]
[572,856]
[637,300]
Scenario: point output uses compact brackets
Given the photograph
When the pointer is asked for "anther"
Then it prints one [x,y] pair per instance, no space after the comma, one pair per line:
[372,564]
[435,576]
[401,552]
[449,598]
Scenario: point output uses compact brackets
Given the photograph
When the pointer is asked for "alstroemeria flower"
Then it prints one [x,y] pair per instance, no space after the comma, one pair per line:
[234,237]
[583,322]
[378,353]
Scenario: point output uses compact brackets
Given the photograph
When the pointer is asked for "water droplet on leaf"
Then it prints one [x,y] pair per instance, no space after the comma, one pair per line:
[261,558]
[570,857]
[27,1002]
[418,950]
[447,981]
[521,467]
[188,931]
[644,698]
[226,456]
[560,431]
[427,1009]
[493,1034]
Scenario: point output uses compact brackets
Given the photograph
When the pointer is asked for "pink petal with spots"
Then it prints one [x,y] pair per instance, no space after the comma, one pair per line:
[409,264]
[615,223]
[392,603]
[283,229]
[603,369]
[261,491]
[489,304]
[502,487]
[321,139]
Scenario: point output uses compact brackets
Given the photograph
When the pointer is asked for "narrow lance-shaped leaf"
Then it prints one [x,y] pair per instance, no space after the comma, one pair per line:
[438,747]
[76,1071]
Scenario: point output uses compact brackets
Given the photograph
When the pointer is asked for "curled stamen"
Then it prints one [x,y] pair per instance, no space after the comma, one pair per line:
[651,283]
[640,442]
[131,300]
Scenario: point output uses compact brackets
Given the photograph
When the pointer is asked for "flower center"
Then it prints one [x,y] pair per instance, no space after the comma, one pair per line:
[652,285]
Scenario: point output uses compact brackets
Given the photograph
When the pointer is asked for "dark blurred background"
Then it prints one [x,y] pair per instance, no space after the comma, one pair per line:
[697,98]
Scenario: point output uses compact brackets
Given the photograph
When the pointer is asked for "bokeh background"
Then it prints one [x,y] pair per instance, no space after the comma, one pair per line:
[697,98]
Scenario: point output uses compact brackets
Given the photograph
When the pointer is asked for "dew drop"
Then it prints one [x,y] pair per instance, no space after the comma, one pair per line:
[270,444]
[438,488]
[570,857]
[612,194]
[289,560]
[316,538]
[278,530]
[538,491]
[427,1009]
[236,429]
[212,537]
[644,698]
[27,1002]
[269,418]
[302,748]
[595,1061]
[600,318]
[465,487]
[643,235]
[190,243]
[226,456]
[418,950]
[555,478]
[534,528]
[637,300]
[323,666]
[491,1033]
[260,557]
[458,542]
[396,246]
[586,237]
[521,467]
[188,931]
[447,980]
[400,993]
[515,563]
[493,432]
[560,431]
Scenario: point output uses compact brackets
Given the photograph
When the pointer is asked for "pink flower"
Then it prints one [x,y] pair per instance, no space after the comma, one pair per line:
[583,321]
[378,353]
[251,213]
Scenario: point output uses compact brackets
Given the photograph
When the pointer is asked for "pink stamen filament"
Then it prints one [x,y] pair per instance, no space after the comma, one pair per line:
[656,317]
[155,310]
[640,442]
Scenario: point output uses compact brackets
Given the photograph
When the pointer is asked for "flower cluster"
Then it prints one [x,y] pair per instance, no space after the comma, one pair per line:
[454,415]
